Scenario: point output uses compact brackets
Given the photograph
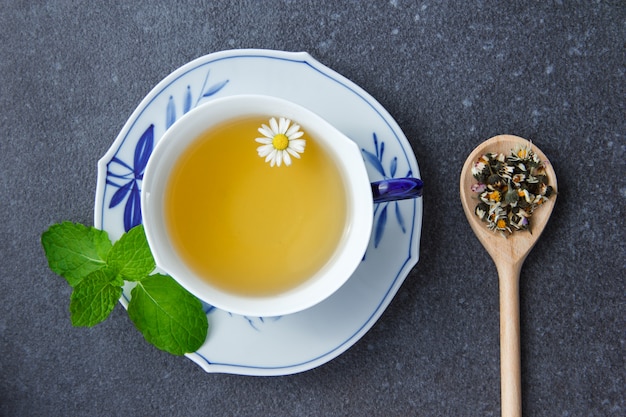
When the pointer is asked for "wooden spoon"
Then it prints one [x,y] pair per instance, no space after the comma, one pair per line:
[508,254]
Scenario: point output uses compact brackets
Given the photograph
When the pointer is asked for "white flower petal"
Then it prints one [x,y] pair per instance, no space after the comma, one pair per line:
[264,150]
[297,145]
[296,135]
[293,129]
[283,125]
[271,156]
[294,153]
[266,131]
[286,157]
[265,141]
[274,126]
[279,157]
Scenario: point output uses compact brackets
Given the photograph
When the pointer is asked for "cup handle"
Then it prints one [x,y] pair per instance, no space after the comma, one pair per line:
[396,189]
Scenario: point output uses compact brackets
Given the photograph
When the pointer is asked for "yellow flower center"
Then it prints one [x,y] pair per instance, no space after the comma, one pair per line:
[501,224]
[494,196]
[280,142]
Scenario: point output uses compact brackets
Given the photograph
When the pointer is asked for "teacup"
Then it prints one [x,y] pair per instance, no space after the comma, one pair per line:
[260,207]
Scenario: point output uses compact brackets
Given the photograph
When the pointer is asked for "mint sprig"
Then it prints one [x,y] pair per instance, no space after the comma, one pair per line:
[166,314]
[130,256]
[94,297]
[74,250]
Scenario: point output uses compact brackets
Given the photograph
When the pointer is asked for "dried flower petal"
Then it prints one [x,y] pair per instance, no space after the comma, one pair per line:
[478,187]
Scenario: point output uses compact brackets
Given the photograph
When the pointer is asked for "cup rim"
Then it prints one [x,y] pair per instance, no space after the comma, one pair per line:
[343,150]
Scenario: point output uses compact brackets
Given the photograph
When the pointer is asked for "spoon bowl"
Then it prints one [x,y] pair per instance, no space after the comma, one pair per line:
[508,254]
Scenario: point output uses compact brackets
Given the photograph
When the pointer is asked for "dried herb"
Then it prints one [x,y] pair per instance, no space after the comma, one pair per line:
[510,188]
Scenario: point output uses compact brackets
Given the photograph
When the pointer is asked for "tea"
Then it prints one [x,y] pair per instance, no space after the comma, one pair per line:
[245,226]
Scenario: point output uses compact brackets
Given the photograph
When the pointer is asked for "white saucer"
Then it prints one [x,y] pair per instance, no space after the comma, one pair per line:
[305,340]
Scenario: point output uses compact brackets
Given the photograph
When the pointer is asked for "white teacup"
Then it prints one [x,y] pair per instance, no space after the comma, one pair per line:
[354,235]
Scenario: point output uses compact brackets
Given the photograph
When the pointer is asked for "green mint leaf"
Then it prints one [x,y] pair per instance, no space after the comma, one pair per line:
[167,315]
[94,297]
[131,256]
[74,250]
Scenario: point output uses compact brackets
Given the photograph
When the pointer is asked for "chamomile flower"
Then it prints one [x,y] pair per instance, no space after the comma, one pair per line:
[281,140]
[480,168]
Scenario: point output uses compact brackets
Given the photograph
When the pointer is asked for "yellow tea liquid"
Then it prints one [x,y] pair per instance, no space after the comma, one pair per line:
[249,228]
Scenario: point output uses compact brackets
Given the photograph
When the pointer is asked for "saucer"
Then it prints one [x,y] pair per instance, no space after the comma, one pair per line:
[307,339]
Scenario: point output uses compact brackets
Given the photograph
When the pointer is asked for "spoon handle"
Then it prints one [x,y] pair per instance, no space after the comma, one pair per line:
[510,362]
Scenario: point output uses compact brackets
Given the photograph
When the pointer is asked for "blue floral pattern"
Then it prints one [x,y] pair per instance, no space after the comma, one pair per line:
[255,322]
[376,159]
[128,182]
[188,103]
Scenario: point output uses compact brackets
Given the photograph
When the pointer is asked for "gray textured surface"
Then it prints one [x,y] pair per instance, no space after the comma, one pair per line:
[452,74]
